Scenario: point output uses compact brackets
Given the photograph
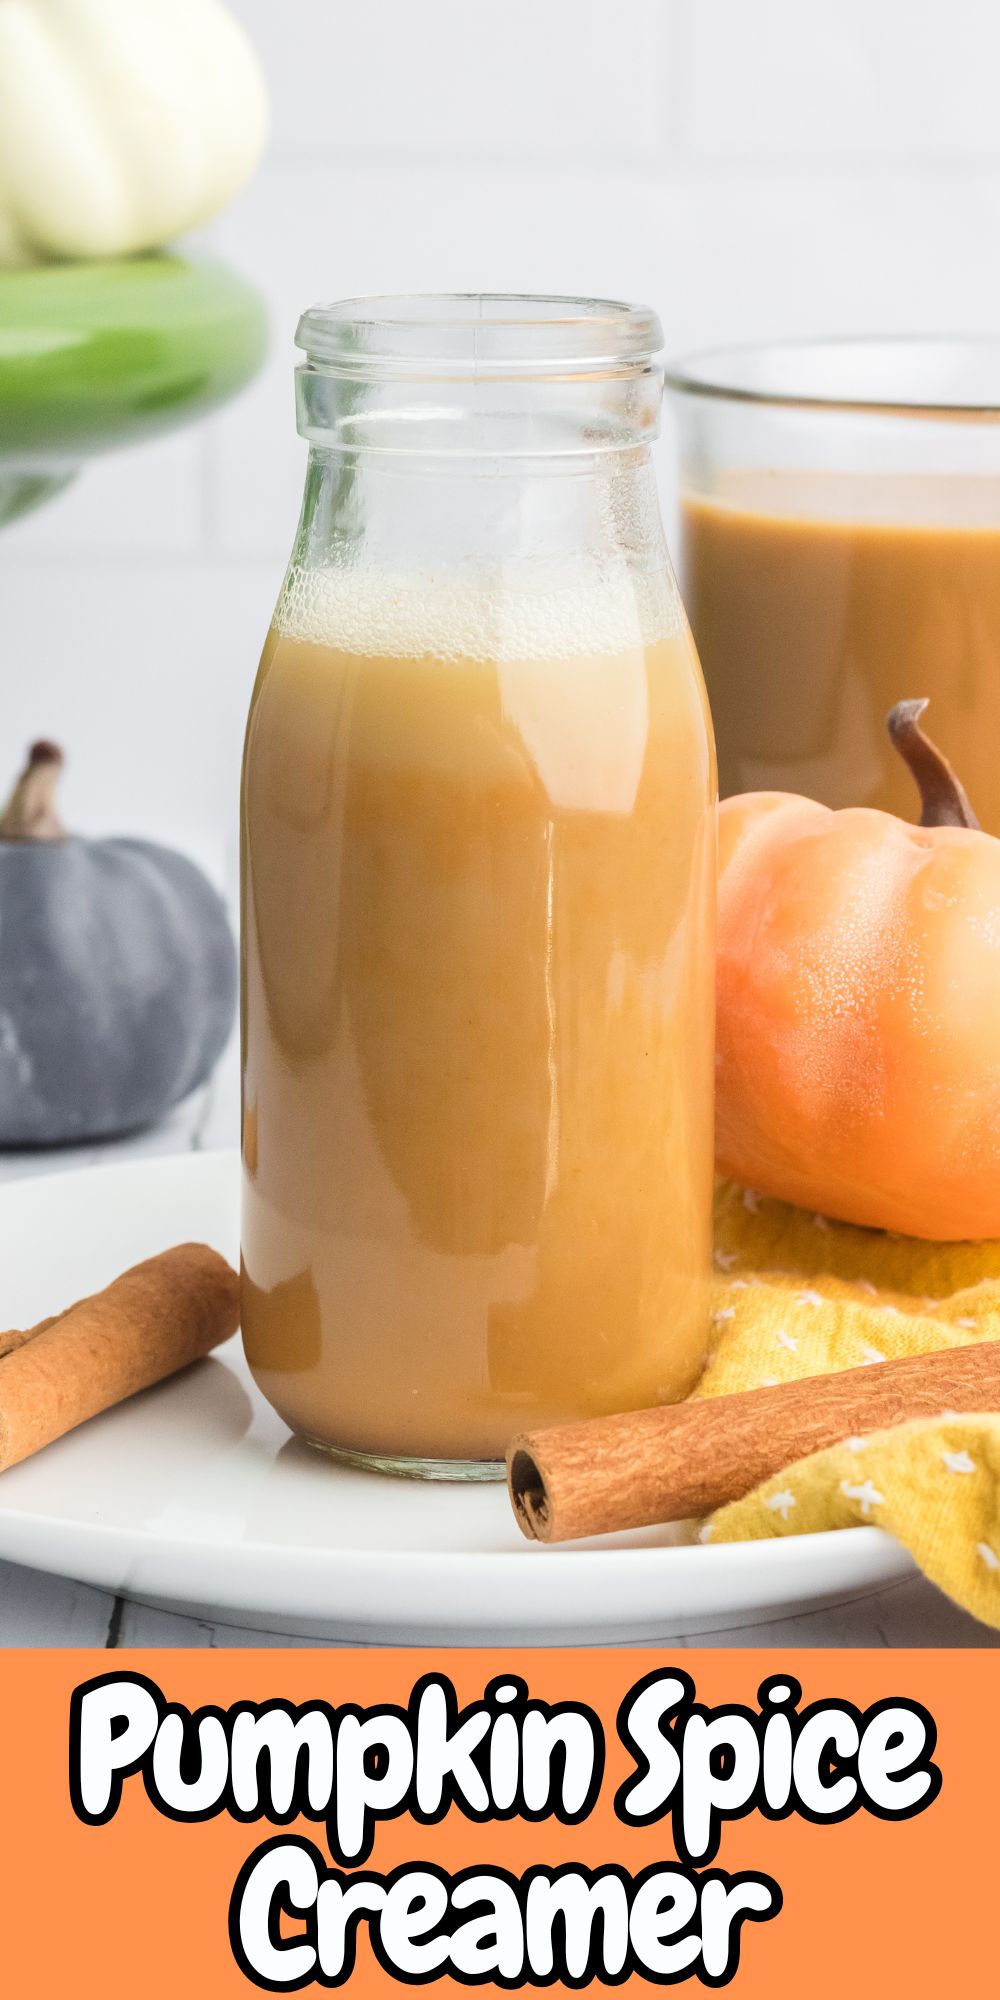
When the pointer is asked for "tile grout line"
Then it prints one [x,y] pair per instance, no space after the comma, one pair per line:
[196,1140]
[647,162]
[675,56]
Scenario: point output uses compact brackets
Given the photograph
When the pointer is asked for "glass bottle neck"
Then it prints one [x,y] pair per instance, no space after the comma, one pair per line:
[406,511]
[479,405]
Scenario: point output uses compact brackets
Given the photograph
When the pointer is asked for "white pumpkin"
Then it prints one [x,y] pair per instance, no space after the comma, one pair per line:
[122,122]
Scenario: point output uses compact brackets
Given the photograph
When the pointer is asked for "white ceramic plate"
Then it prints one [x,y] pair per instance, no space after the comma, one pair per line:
[194,1494]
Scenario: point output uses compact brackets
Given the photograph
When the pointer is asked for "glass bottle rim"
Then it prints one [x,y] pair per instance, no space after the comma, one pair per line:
[905,375]
[479,334]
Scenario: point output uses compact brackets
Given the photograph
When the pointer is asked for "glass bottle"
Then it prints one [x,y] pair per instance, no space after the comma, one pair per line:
[478,896]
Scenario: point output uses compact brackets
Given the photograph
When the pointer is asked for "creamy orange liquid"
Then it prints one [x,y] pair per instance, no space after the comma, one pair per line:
[477,932]
[819,600]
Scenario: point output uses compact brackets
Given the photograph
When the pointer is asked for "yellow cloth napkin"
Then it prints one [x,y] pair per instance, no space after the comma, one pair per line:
[797,1294]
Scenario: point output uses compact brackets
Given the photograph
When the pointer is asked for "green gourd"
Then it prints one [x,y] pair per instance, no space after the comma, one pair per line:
[117,974]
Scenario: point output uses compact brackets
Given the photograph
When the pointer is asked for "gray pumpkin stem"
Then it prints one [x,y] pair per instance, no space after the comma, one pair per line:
[943,800]
[30,812]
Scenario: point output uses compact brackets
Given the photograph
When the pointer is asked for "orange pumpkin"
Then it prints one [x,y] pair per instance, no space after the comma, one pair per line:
[858,1069]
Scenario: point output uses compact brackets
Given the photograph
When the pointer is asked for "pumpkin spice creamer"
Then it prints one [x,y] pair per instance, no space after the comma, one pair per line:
[478,881]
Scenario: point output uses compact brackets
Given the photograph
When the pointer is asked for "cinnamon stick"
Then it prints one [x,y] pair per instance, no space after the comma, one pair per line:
[151,1321]
[685,1460]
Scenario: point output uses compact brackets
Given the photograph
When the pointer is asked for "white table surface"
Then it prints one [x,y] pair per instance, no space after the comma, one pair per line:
[41,1610]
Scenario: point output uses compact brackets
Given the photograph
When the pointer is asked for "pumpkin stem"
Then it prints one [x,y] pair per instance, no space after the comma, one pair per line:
[942,798]
[30,812]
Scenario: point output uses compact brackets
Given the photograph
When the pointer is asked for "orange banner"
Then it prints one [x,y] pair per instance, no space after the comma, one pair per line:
[231,1822]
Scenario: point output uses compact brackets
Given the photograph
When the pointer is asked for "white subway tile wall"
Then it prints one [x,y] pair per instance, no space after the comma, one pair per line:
[405,82]
[855,82]
[750,167]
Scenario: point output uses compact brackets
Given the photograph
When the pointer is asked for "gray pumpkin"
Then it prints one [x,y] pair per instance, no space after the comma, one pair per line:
[117,974]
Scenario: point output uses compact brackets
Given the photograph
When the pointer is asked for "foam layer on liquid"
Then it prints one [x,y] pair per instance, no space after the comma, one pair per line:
[522,614]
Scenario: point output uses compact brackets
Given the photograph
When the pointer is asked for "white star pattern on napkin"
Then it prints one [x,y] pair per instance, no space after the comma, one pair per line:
[867,1496]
